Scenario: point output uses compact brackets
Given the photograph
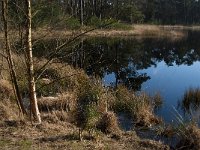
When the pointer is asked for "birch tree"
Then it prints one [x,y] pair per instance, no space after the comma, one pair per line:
[81,11]
[30,67]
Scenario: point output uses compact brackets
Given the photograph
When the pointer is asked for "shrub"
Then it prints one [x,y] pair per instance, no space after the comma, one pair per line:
[157,100]
[138,106]
[72,23]
[120,25]
[115,24]
[109,123]
[94,21]
[87,112]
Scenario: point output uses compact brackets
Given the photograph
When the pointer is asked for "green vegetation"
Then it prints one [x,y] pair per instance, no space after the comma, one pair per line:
[72,23]
[68,13]
[24,144]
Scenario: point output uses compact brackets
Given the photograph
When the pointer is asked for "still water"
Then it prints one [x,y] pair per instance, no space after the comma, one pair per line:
[169,66]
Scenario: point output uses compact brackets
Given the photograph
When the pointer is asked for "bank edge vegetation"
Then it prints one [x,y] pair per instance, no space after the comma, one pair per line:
[82,100]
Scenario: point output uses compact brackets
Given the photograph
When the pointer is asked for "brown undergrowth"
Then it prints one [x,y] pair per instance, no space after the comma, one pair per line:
[63,88]
[63,135]
[68,101]
[6,90]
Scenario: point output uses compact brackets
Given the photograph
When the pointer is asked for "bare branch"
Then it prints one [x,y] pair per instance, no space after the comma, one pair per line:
[58,49]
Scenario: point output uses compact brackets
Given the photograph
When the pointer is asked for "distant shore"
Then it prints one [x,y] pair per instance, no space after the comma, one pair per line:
[138,30]
[142,30]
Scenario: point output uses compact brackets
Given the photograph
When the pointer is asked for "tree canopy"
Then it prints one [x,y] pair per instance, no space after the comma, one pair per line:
[74,13]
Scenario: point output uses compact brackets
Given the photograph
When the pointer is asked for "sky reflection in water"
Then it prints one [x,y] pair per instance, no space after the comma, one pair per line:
[169,66]
[170,81]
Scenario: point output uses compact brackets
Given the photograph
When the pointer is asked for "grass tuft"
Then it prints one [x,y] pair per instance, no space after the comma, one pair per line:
[189,138]
[138,106]
[108,123]
[191,100]
[6,90]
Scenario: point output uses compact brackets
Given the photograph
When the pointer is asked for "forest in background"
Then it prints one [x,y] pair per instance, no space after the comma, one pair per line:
[73,14]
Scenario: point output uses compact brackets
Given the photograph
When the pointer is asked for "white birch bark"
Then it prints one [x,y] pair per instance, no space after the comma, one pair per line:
[31,80]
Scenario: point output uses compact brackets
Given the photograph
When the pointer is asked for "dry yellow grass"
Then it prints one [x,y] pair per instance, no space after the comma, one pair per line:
[63,135]
[8,110]
[160,31]
[6,89]
[65,101]
[190,138]
[109,123]
[176,31]
[138,106]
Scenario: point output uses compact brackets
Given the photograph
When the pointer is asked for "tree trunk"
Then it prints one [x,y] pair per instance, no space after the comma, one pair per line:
[81,11]
[9,57]
[31,80]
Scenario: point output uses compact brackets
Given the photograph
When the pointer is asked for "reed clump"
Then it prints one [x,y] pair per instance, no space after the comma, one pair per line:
[108,123]
[191,100]
[165,130]
[55,78]
[189,138]
[139,106]
[157,100]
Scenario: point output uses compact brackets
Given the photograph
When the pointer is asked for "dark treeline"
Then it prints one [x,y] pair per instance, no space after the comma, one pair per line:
[132,11]
[74,13]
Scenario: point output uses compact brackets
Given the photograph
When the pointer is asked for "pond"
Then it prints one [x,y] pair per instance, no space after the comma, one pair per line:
[169,66]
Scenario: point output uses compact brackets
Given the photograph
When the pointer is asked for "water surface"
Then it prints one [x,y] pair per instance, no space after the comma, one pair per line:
[166,65]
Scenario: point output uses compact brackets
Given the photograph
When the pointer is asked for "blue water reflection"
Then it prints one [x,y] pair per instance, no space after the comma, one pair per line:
[166,65]
[170,81]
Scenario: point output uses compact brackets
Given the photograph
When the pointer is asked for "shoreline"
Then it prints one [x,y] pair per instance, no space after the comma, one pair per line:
[177,31]
[138,30]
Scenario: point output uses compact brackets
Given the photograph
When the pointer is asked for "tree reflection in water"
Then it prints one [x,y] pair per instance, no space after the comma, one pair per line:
[124,56]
